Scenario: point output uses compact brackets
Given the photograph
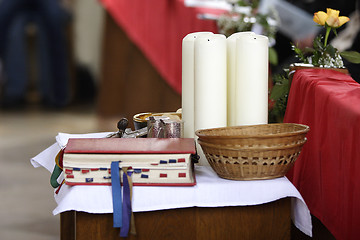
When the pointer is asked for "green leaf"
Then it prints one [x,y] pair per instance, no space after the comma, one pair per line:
[330,50]
[279,90]
[315,59]
[318,45]
[297,51]
[334,31]
[351,56]
[309,50]
[273,57]
[242,3]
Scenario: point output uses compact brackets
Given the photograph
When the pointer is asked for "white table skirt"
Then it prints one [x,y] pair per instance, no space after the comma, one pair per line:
[209,191]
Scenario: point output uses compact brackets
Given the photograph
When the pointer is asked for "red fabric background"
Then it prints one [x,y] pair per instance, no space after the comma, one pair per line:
[157,28]
[327,173]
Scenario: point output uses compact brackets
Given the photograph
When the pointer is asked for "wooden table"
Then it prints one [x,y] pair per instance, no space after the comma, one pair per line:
[267,221]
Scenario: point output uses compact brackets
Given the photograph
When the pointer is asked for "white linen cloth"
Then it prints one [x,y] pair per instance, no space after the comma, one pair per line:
[209,191]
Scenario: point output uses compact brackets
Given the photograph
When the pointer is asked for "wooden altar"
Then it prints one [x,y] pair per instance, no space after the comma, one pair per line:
[265,221]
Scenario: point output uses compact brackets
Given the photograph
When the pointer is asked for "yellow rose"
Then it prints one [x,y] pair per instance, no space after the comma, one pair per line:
[331,18]
[334,20]
[320,17]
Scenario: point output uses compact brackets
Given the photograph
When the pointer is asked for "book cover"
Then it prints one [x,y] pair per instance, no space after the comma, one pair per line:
[151,161]
[131,145]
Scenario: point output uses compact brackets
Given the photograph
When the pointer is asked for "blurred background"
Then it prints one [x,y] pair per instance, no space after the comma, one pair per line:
[28,125]
[54,57]
[78,66]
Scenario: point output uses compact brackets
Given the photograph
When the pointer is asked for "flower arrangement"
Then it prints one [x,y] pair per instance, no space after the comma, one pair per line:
[242,18]
[323,54]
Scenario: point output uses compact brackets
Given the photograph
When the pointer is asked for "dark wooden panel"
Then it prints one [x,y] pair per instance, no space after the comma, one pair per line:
[266,221]
[95,226]
[129,83]
[175,224]
[67,225]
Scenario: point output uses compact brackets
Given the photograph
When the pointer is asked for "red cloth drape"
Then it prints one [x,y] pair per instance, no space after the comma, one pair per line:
[157,28]
[327,173]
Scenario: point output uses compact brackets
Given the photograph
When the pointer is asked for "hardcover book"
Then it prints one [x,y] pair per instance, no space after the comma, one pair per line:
[151,161]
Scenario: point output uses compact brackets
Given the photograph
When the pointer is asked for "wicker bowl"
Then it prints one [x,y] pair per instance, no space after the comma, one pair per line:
[263,135]
[263,157]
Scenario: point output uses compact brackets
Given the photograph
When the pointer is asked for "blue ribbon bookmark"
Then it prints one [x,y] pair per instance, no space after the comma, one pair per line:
[116,195]
[126,206]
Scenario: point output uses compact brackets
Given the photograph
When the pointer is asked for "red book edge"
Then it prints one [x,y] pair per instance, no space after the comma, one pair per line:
[131,145]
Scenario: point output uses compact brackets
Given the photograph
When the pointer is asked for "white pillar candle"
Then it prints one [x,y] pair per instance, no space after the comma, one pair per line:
[187,95]
[231,76]
[210,84]
[251,80]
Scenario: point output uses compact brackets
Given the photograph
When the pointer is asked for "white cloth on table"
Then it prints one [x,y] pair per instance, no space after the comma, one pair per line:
[209,191]
[46,158]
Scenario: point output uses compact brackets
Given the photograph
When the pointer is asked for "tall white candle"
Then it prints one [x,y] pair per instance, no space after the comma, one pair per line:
[251,80]
[210,84]
[187,95]
[231,76]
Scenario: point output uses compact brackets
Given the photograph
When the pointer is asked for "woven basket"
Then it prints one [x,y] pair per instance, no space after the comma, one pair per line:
[264,135]
[262,157]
